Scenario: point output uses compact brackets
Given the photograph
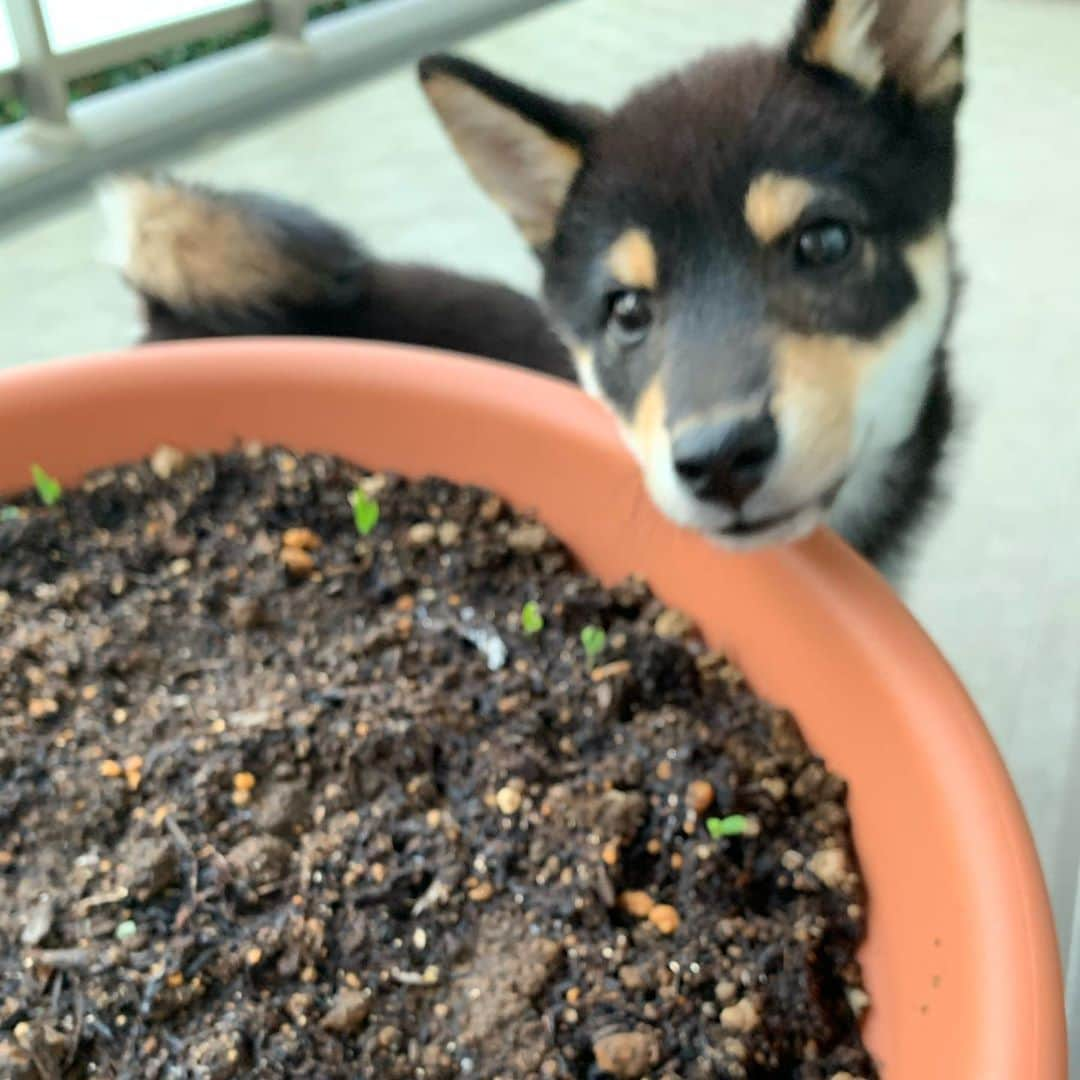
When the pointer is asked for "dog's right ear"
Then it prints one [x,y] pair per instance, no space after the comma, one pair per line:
[524,149]
[916,45]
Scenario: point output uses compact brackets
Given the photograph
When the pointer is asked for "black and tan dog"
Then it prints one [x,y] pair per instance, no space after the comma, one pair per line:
[748,262]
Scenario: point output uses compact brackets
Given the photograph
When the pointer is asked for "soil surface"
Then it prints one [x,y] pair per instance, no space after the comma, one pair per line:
[280,801]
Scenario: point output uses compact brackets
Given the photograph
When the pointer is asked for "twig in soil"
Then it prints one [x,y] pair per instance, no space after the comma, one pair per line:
[99,1028]
[604,888]
[113,896]
[44,1062]
[150,993]
[198,668]
[80,1019]
[436,894]
[190,905]
[60,959]
[428,977]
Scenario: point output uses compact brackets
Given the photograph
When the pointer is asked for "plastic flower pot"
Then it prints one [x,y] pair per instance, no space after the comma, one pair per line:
[961,959]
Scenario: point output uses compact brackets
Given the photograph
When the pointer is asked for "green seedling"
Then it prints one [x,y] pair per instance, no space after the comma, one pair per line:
[48,487]
[365,511]
[126,929]
[10,513]
[593,640]
[734,825]
[532,621]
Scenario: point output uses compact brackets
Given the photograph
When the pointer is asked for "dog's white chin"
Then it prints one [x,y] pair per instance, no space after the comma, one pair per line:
[788,531]
[724,529]
[721,525]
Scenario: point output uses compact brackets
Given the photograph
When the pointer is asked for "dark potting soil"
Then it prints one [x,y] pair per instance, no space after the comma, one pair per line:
[279,801]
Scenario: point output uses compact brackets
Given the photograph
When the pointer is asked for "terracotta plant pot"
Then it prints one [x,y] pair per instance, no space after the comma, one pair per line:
[962,960]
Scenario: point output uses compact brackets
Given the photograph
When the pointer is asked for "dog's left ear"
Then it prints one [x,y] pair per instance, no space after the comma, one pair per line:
[524,149]
[916,46]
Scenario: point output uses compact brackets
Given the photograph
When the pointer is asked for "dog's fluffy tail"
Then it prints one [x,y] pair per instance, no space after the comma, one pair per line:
[209,263]
[206,263]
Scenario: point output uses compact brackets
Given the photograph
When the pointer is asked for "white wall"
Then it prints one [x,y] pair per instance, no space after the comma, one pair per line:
[74,23]
[7,43]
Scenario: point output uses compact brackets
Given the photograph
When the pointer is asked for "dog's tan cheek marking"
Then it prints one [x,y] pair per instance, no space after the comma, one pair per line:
[816,383]
[774,203]
[845,43]
[928,259]
[650,414]
[818,378]
[632,260]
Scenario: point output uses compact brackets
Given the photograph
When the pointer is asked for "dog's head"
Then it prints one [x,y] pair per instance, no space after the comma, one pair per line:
[749,259]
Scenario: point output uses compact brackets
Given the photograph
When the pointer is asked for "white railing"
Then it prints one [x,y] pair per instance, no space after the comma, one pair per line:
[52,42]
[46,44]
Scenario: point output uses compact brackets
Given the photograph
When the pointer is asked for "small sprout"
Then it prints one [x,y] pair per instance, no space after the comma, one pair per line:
[126,929]
[532,621]
[734,825]
[48,487]
[10,513]
[365,511]
[593,640]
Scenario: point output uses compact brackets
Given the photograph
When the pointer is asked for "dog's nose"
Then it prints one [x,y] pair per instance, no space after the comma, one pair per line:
[727,462]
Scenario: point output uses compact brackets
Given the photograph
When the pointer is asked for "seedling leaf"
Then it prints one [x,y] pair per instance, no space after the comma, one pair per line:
[532,621]
[365,511]
[593,640]
[126,929]
[48,487]
[734,825]
[10,513]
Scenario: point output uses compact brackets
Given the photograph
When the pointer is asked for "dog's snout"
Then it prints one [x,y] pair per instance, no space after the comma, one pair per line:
[727,462]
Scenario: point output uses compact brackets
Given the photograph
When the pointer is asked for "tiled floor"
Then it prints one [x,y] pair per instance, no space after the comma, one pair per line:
[998,581]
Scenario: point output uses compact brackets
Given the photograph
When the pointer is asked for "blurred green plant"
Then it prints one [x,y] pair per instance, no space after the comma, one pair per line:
[733,825]
[49,489]
[532,618]
[12,109]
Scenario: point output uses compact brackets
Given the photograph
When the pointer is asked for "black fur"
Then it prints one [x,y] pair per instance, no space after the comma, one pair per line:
[364,297]
[677,159]
[570,123]
[912,488]
[676,162]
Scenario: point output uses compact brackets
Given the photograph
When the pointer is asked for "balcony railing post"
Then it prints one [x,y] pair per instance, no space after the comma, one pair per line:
[40,80]
[288,18]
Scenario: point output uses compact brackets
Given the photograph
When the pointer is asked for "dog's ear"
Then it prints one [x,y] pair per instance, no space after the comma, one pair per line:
[524,149]
[917,46]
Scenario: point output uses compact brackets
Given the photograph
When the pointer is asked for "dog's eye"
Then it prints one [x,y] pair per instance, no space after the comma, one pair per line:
[824,244]
[630,316]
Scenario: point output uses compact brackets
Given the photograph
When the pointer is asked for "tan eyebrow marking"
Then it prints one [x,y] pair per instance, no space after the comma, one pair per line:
[632,260]
[774,203]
